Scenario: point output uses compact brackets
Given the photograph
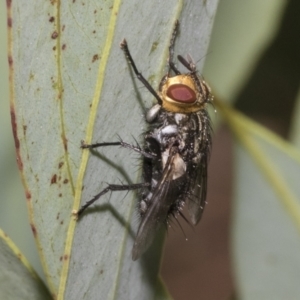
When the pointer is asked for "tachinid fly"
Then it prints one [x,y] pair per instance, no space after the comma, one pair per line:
[176,150]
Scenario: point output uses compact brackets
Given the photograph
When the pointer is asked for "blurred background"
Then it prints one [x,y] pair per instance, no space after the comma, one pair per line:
[253,62]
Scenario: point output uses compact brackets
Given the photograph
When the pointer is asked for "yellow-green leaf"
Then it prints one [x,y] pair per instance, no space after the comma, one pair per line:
[266,225]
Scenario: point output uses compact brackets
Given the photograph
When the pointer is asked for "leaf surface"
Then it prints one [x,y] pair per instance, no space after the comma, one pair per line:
[70,82]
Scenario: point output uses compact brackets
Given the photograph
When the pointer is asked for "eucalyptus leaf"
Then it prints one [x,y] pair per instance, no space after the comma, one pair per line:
[17,278]
[71,82]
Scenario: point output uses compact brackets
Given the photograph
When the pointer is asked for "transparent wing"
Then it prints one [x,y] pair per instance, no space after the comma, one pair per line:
[198,177]
[197,197]
[157,213]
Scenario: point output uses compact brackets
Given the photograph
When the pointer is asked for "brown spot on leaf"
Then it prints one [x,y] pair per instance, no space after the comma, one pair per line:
[53,179]
[57,216]
[54,35]
[63,27]
[61,222]
[65,142]
[28,195]
[54,48]
[14,127]
[15,133]
[33,230]
[24,129]
[66,257]
[66,181]
[59,195]
[8,3]
[10,60]
[95,57]
[9,22]
[154,46]
[51,19]
[63,46]
[61,258]
[60,164]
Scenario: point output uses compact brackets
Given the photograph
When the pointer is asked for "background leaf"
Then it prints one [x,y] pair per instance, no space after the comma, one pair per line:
[17,278]
[266,229]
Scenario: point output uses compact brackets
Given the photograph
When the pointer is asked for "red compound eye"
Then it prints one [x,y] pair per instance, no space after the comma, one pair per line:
[181,93]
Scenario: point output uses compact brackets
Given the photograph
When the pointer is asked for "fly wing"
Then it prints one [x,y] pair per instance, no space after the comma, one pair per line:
[197,198]
[198,179]
[157,213]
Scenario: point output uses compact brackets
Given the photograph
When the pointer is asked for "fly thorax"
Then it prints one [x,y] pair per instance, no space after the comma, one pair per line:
[180,118]
[152,113]
[163,133]
[169,130]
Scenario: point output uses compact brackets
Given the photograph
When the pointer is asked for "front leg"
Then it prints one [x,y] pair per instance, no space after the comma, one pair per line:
[112,188]
[121,143]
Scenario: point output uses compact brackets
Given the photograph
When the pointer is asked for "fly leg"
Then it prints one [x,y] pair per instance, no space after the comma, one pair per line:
[136,148]
[139,75]
[149,157]
[171,51]
[111,188]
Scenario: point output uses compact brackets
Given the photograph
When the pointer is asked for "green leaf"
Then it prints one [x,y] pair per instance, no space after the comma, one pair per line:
[17,278]
[236,46]
[71,82]
[266,227]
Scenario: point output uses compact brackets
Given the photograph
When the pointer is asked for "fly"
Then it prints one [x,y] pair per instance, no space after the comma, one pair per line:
[175,153]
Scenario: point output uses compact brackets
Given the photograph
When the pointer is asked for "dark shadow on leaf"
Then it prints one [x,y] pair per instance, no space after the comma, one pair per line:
[98,209]
[120,170]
